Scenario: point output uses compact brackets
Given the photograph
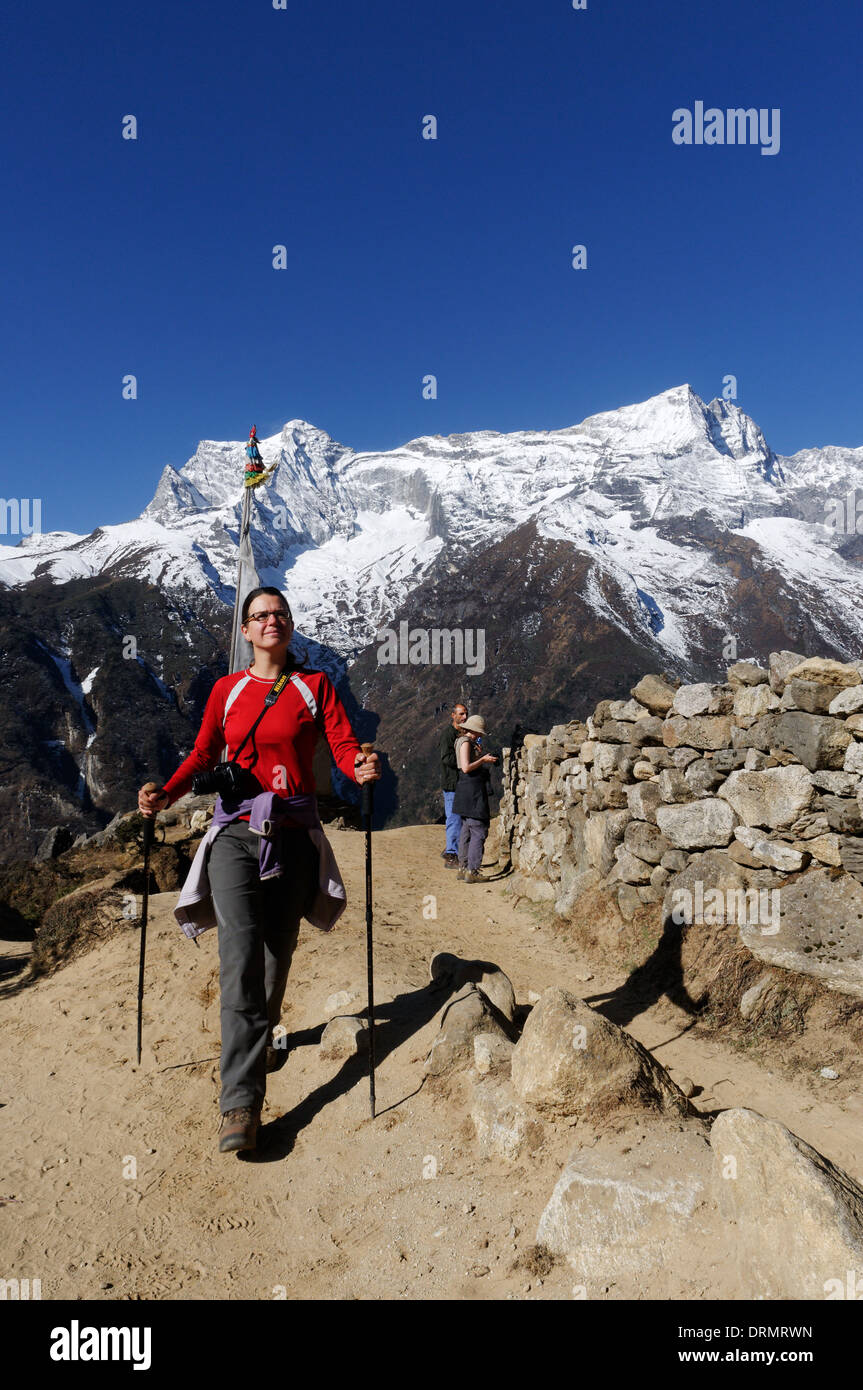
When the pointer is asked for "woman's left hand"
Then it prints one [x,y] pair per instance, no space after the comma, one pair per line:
[367,768]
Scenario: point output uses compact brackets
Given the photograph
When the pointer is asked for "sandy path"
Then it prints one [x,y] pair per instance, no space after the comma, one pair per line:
[118,1188]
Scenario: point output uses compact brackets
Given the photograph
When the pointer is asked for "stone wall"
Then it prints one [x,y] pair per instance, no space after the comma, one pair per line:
[736,804]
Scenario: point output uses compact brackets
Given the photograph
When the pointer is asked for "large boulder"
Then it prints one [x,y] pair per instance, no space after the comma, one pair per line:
[692,699]
[504,1126]
[627,710]
[643,800]
[603,832]
[698,825]
[703,731]
[820,930]
[345,1036]
[629,868]
[682,757]
[826,848]
[631,1218]
[772,854]
[702,777]
[837,783]
[798,1218]
[456,972]
[822,670]
[673,786]
[656,693]
[776,797]
[605,758]
[814,697]
[463,1017]
[746,673]
[491,1053]
[816,740]
[751,701]
[780,663]
[848,701]
[853,762]
[647,730]
[646,841]
[570,1060]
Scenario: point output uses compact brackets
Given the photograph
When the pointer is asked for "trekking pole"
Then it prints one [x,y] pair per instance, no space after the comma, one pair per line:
[149,827]
[368,809]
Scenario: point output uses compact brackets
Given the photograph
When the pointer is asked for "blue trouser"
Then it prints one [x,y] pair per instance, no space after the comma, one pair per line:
[453,824]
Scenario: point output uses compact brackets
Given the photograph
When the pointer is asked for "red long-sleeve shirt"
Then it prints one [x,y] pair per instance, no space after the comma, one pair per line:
[285,738]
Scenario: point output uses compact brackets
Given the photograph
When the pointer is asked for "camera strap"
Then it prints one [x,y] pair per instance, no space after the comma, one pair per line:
[271,698]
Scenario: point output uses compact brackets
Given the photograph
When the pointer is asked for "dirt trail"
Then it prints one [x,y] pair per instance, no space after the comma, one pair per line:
[335,1206]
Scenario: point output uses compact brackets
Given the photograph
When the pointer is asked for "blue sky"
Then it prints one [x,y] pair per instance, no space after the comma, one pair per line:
[406,256]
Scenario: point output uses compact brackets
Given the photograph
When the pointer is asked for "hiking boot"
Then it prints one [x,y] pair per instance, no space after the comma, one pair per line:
[451,861]
[239,1129]
[471,877]
[461,871]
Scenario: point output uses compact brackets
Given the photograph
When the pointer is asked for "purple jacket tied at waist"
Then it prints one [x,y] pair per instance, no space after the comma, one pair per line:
[268,814]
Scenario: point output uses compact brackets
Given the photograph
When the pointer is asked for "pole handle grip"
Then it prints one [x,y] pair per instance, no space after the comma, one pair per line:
[149,821]
[367,789]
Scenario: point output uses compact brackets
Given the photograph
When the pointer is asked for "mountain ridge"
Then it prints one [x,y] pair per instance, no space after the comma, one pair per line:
[671,521]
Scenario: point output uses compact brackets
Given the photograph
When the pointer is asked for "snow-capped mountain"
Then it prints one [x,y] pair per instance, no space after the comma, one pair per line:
[350,535]
[665,535]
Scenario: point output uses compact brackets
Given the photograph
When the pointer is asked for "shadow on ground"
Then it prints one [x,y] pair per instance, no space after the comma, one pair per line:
[395,1022]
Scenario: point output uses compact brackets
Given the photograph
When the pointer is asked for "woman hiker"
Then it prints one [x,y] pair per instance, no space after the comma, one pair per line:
[471,798]
[265,861]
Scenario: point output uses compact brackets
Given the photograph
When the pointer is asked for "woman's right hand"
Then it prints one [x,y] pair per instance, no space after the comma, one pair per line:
[489,758]
[152,799]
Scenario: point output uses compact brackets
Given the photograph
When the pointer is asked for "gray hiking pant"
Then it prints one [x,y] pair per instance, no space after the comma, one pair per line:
[472,843]
[259,924]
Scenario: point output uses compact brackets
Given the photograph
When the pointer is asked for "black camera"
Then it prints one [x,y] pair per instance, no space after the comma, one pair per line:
[229,780]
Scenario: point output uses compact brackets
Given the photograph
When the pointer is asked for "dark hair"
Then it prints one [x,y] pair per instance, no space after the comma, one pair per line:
[256,593]
[296,663]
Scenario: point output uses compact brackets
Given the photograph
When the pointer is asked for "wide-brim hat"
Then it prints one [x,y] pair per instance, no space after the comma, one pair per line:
[475,723]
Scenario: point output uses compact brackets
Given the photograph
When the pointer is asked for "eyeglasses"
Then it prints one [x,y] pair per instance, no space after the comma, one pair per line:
[281,615]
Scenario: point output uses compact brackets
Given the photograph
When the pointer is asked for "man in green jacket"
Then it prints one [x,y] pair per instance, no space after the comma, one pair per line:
[449,779]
